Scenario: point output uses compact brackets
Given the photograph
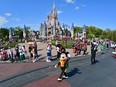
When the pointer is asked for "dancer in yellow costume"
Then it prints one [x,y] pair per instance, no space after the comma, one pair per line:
[63,63]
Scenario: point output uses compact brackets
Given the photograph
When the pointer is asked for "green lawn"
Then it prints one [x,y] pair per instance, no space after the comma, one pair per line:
[66,44]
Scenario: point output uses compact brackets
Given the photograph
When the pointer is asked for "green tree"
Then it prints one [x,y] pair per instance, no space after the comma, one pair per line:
[4,33]
[76,30]
[19,32]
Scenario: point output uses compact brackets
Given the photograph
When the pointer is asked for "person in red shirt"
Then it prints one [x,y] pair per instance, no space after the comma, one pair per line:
[79,48]
[84,48]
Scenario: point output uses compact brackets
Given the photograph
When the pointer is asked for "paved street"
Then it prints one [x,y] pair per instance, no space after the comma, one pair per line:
[102,74]
[53,43]
[42,74]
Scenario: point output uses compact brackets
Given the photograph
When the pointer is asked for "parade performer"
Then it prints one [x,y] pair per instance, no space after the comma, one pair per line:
[94,49]
[63,63]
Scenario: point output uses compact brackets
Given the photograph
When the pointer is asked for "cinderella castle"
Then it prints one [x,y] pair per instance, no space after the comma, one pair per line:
[51,28]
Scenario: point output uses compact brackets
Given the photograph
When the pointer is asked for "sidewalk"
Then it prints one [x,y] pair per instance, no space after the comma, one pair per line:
[42,50]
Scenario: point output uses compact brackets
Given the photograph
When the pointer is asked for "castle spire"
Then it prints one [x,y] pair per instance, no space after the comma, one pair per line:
[54,4]
[54,11]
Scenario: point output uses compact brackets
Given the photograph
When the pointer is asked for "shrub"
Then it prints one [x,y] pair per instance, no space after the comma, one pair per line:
[11,45]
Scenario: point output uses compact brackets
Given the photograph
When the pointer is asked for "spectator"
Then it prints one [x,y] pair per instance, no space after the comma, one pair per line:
[84,48]
[79,48]
[58,50]
[21,55]
[102,48]
[35,46]
[17,54]
[34,54]
[0,56]
[74,51]
[30,50]
[49,50]
[10,54]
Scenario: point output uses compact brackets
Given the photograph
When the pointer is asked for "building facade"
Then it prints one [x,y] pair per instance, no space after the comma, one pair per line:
[52,28]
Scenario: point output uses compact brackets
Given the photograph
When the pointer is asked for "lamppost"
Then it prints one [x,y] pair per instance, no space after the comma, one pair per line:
[63,28]
[54,29]
[45,27]
[10,34]
[66,36]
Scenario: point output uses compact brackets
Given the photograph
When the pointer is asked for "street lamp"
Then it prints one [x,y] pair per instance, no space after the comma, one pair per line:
[66,36]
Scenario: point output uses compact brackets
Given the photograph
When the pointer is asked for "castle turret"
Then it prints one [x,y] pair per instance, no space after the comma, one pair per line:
[54,12]
[84,31]
[72,31]
[52,25]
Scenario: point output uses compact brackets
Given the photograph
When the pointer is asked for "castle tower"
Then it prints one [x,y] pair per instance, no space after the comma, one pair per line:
[52,22]
[10,33]
[52,26]
[84,31]
[54,15]
[72,31]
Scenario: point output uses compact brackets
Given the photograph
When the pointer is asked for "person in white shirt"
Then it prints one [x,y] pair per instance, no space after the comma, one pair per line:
[49,52]
[10,54]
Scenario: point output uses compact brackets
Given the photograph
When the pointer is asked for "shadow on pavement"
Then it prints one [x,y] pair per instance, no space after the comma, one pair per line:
[96,61]
[86,53]
[39,49]
[114,57]
[54,58]
[73,72]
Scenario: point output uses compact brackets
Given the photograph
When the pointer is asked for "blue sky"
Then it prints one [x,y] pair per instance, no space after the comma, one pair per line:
[99,13]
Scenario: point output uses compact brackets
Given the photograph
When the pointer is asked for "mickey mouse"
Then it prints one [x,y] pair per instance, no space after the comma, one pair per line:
[63,63]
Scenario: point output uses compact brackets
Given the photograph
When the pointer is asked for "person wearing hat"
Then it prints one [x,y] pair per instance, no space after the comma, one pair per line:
[49,50]
[10,54]
[93,53]
[21,55]
[17,54]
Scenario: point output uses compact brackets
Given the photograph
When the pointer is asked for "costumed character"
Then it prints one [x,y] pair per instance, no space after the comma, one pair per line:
[94,49]
[63,64]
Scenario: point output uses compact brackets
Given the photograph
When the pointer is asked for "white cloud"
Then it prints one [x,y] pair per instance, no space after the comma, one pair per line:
[8,14]
[59,12]
[2,20]
[77,7]
[69,1]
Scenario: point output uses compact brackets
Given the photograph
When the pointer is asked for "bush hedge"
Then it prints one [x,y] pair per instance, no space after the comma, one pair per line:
[11,45]
[67,44]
